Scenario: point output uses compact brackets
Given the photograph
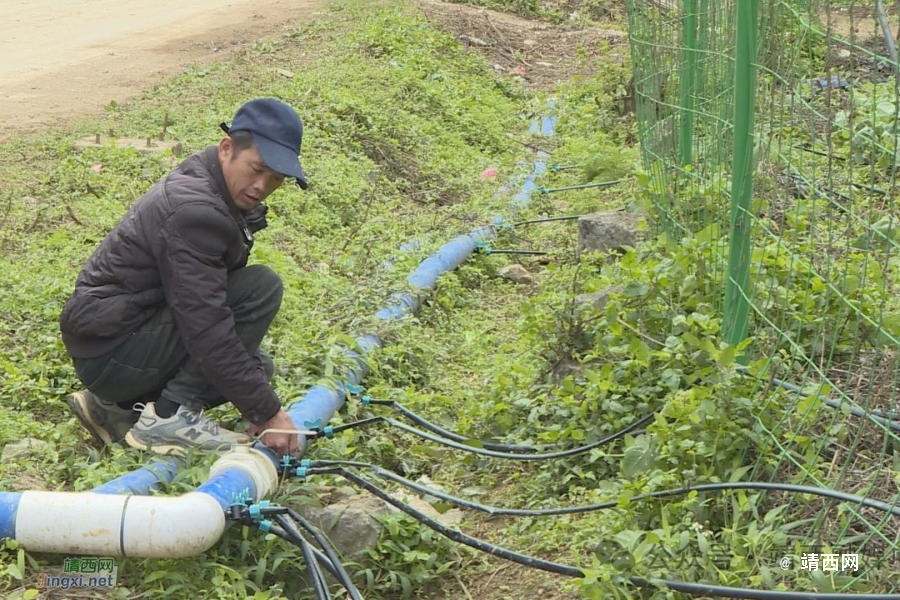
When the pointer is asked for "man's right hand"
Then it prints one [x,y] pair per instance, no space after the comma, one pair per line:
[281,443]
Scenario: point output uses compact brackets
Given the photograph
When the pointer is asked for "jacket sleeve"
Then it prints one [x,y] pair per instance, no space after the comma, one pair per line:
[192,266]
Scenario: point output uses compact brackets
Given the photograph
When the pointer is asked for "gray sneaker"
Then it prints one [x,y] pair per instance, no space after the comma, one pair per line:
[183,430]
[106,421]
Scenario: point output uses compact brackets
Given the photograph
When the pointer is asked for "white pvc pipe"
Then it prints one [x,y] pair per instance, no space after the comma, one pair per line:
[140,526]
[103,525]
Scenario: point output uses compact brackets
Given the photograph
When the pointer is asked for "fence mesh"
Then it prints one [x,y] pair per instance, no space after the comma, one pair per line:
[769,133]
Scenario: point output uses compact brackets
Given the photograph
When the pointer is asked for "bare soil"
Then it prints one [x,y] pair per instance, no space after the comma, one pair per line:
[540,53]
[59,60]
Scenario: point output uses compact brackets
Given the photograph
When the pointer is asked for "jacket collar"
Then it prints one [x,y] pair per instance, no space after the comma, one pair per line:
[211,160]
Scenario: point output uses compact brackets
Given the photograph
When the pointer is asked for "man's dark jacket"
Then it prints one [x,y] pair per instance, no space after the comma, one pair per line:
[174,247]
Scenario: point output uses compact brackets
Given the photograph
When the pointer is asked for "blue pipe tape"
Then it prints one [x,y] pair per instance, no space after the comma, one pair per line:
[448,257]
[320,403]
[9,508]
[523,198]
[227,486]
[142,481]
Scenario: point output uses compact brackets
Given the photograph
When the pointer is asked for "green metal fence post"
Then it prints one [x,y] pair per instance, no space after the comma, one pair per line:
[737,307]
[687,78]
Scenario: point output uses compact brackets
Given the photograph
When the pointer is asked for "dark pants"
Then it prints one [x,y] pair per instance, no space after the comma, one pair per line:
[153,362]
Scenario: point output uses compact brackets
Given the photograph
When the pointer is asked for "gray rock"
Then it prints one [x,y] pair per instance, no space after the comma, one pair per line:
[351,524]
[26,448]
[451,518]
[569,367]
[516,274]
[598,300]
[605,231]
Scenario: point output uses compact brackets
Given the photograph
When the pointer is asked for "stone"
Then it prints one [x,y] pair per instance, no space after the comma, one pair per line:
[605,231]
[451,518]
[569,367]
[28,482]
[351,523]
[516,274]
[598,300]
[26,448]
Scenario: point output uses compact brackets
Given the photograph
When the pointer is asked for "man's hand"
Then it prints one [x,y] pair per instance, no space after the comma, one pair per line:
[281,443]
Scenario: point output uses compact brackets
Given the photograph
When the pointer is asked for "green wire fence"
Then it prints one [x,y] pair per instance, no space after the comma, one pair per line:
[770,133]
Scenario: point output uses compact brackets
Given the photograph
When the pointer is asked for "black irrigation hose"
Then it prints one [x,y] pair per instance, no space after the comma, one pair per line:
[336,467]
[603,184]
[330,552]
[526,252]
[871,189]
[547,220]
[537,563]
[818,152]
[878,416]
[457,536]
[551,219]
[312,567]
[421,422]
[321,558]
[510,456]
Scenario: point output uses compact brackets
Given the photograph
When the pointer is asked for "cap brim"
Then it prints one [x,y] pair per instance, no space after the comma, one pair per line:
[280,159]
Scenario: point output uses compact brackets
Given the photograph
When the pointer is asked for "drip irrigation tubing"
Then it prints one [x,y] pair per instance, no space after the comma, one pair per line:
[488,251]
[321,540]
[312,566]
[878,416]
[602,184]
[546,220]
[421,422]
[507,455]
[696,589]
[337,468]
[317,554]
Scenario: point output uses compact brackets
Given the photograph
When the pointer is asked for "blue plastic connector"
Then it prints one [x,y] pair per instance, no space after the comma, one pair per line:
[314,424]
[265,526]
[305,463]
[328,431]
[482,248]
[255,514]
[366,400]
[354,390]
[500,223]
[240,498]
[301,472]
[286,461]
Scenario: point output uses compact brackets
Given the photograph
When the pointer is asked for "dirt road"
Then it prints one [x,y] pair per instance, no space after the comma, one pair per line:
[61,59]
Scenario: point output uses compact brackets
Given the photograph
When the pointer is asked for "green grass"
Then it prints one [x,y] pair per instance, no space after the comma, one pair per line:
[400,120]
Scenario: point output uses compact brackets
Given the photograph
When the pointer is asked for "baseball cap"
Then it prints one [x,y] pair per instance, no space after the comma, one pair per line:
[277,132]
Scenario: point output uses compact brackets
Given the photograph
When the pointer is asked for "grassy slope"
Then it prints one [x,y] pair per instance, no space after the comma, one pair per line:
[400,122]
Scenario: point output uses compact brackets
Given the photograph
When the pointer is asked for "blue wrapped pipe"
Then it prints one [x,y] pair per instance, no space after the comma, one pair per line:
[9,508]
[546,126]
[447,258]
[143,481]
[319,404]
[229,487]
[523,198]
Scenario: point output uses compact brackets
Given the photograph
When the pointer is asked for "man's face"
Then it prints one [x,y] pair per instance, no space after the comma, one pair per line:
[248,178]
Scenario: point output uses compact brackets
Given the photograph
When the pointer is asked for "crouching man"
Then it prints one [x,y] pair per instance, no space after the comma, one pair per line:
[167,318]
